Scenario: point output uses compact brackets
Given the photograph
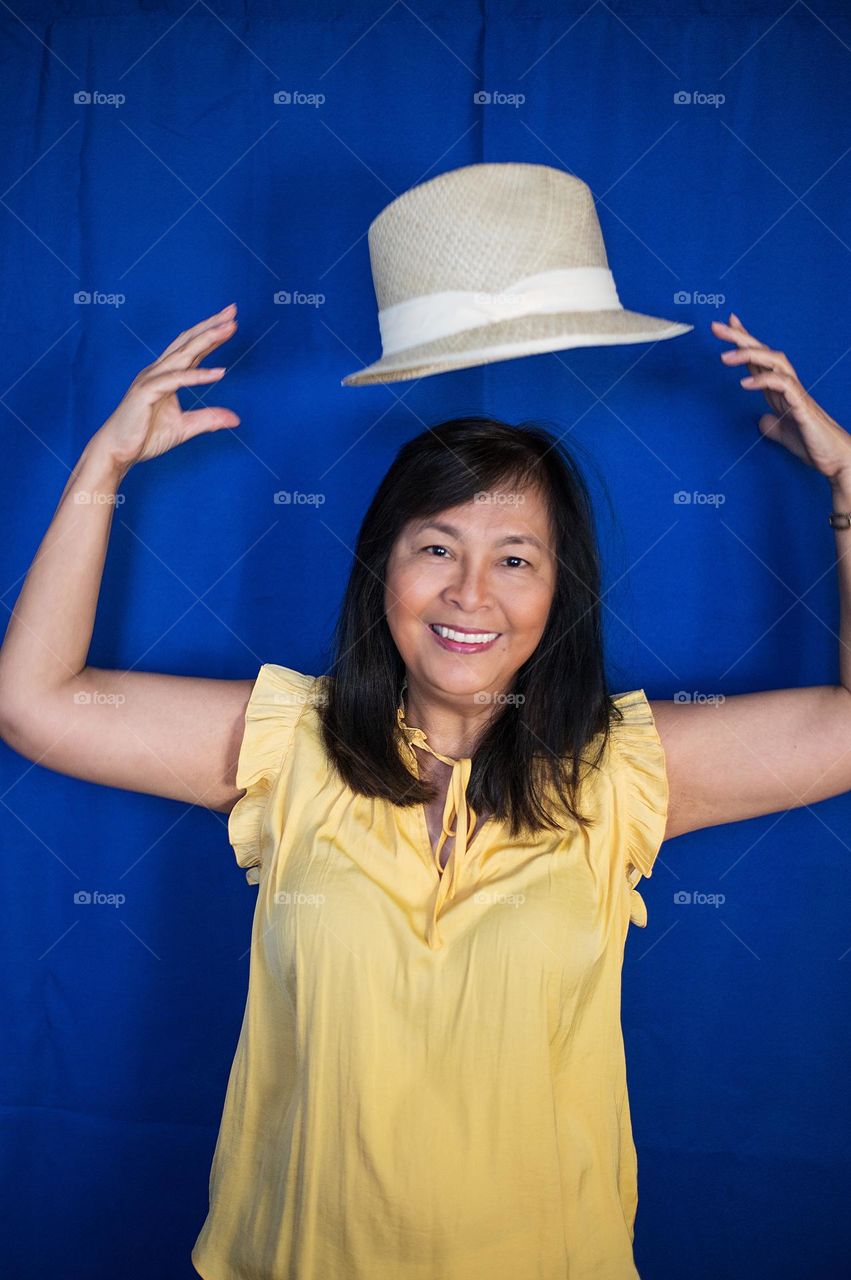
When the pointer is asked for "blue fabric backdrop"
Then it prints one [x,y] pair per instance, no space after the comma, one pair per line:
[182,184]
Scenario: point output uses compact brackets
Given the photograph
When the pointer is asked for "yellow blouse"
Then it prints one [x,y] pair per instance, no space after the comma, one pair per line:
[430,1081]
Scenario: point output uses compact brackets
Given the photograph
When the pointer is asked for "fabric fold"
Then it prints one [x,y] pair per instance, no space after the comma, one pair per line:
[277,699]
[638,750]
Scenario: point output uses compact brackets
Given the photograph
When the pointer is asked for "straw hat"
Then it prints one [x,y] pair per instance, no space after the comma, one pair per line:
[489,262]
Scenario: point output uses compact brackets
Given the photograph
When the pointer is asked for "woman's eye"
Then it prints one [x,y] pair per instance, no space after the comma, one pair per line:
[435,546]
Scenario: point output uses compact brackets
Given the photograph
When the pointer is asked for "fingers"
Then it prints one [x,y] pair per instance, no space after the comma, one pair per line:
[759,356]
[739,335]
[775,382]
[749,350]
[198,420]
[226,313]
[159,383]
[194,350]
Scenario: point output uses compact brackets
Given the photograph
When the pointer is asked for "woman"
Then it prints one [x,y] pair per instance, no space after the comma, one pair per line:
[446,834]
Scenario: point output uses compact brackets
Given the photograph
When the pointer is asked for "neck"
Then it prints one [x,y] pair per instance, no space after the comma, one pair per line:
[451,731]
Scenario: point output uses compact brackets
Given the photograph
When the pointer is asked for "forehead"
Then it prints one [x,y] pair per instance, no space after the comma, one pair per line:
[492,514]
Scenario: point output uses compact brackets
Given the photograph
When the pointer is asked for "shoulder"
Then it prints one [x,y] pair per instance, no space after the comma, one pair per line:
[279,698]
[635,734]
[285,688]
[276,706]
[638,765]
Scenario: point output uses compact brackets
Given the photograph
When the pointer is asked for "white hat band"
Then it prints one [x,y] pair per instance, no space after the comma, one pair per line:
[438,315]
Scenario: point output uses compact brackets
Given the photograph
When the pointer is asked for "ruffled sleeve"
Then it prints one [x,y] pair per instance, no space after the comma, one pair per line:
[643,785]
[278,698]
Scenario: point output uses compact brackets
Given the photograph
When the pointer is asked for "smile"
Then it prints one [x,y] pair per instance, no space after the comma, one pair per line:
[460,641]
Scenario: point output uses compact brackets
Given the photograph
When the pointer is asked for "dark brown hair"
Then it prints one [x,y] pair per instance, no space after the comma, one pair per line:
[540,737]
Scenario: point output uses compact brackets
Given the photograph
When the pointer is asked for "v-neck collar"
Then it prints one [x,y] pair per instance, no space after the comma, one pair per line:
[456,806]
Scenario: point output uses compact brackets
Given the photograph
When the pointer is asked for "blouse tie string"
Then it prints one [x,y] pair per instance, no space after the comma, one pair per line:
[456,806]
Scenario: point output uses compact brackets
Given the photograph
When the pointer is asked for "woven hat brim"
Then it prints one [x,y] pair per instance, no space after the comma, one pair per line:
[527,335]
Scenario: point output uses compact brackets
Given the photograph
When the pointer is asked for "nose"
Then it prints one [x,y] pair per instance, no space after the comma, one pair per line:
[469,589]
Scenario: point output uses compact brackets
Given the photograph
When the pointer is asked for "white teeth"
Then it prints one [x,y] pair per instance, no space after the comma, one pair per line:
[464,637]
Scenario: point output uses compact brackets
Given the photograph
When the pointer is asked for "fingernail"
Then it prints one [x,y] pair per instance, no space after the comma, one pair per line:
[748,379]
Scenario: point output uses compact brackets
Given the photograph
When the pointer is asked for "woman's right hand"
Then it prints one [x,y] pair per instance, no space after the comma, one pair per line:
[149,420]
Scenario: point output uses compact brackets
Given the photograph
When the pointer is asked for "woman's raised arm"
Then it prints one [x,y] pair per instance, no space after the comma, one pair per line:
[166,735]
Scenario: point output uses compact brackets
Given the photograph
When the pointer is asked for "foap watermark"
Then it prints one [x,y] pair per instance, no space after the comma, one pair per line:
[694,298]
[496,98]
[685,498]
[697,99]
[508,299]
[286,898]
[694,898]
[297,298]
[83,98]
[96,298]
[95,898]
[491,898]
[98,698]
[296,98]
[500,699]
[290,698]
[95,498]
[293,497]
[695,696]
[499,497]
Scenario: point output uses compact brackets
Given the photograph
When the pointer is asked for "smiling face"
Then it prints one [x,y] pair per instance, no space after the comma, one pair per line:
[479,568]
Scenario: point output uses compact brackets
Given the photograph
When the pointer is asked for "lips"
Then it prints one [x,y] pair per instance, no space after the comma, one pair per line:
[463,646]
[467,631]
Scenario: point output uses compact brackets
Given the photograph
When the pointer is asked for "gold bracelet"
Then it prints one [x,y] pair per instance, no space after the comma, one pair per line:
[839,519]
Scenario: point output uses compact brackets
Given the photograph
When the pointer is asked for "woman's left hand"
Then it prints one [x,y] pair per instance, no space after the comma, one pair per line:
[797,421]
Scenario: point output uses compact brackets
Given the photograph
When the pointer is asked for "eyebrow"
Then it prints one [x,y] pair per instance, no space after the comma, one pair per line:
[509,539]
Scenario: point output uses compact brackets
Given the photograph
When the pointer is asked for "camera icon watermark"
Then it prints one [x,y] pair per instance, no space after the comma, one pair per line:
[685,99]
[685,497]
[499,497]
[95,698]
[297,298]
[96,298]
[295,98]
[684,898]
[83,98]
[500,699]
[293,497]
[84,898]
[496,98]
[492,898]
[94,498]
[695,298]
[291,698]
